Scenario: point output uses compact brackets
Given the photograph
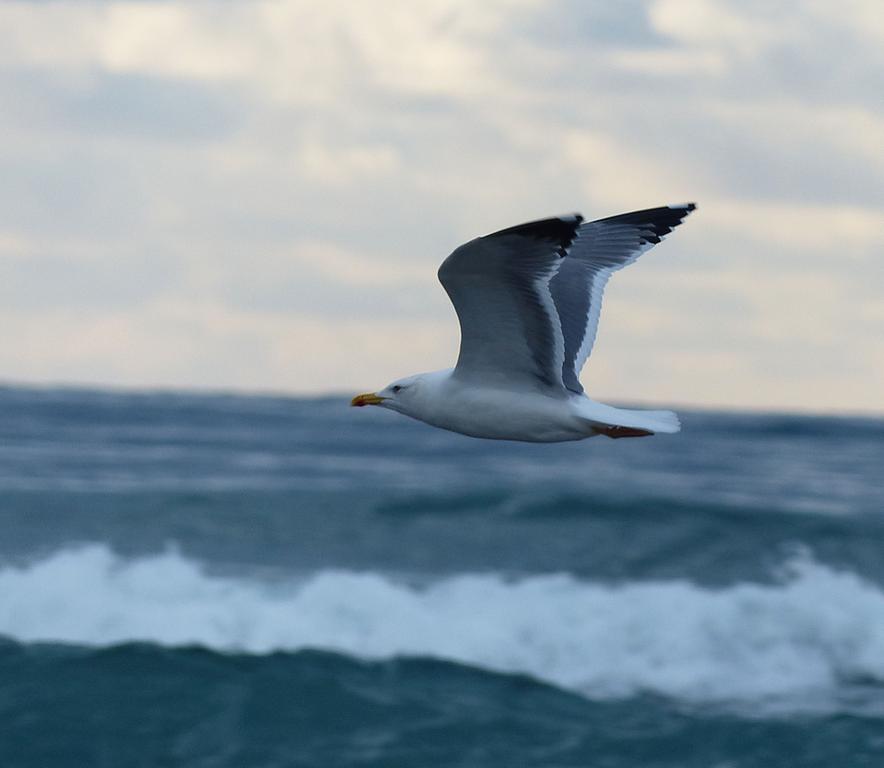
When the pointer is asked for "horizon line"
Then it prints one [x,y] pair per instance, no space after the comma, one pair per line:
[231,391]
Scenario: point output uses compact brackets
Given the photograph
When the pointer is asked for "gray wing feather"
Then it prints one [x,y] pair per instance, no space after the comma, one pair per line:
[600,248]
[509,328]
[528,298]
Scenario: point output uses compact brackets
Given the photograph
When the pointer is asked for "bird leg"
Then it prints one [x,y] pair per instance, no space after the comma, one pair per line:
[614,432]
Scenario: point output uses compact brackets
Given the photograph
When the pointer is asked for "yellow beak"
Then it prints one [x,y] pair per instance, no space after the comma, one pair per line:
[370,398]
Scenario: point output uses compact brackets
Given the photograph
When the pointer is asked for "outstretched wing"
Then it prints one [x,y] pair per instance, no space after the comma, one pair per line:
[600,249]
[528,297]
[510,333]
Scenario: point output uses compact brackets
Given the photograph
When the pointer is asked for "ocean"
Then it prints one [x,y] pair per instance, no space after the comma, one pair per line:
[218,580]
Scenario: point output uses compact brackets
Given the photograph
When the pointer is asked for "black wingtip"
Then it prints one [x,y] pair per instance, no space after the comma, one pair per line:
[560,230]
[654,223]
[543,228]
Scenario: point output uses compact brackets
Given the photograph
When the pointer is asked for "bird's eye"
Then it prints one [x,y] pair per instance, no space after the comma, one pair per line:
[396,388]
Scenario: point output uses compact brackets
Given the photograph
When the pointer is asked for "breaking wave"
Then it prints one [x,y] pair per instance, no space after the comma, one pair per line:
[814,631]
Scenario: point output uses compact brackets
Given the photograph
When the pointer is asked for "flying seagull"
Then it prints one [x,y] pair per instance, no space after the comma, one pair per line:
[528,300]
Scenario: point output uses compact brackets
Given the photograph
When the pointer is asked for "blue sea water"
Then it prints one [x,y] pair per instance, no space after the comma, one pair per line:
[214,580]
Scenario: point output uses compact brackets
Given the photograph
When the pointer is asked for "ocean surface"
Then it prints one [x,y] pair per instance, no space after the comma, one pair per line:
[213,580]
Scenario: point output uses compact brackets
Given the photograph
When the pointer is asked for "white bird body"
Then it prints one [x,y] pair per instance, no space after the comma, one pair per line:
[528,300]
[495,413]
[439,399]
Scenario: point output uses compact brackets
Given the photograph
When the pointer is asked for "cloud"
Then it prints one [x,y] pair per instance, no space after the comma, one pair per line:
[287,50]
[259,194]
[170,343]
[717,25]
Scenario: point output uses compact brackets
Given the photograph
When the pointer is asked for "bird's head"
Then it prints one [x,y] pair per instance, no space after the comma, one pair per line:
[401,395]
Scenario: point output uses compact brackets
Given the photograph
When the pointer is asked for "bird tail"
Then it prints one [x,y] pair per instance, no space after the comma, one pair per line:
[622,422]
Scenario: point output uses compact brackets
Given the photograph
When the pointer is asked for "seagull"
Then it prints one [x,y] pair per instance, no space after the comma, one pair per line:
[528,300]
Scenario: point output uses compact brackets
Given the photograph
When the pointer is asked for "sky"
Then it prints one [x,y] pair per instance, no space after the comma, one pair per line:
[256,195]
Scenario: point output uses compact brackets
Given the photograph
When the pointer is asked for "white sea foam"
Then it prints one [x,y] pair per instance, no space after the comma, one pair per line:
[806,635]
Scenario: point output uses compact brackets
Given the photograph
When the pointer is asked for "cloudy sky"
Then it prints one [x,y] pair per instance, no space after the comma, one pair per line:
[256,195]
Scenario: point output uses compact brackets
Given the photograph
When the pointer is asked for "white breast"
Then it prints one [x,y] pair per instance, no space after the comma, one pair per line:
[499,414]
